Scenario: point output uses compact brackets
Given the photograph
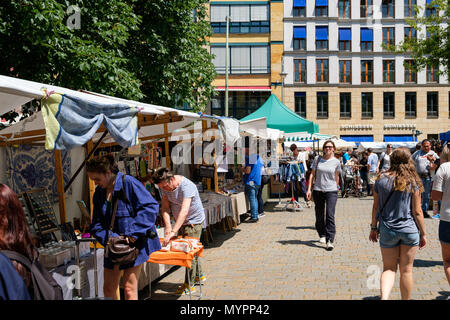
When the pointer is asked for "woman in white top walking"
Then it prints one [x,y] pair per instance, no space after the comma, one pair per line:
[441,191]
[325,172]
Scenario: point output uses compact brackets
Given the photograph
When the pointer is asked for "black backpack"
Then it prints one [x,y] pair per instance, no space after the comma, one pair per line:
[43,285]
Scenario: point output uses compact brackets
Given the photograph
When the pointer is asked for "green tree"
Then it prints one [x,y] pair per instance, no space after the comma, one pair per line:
[150,51]
[37,44]
[433,50]
[169,52]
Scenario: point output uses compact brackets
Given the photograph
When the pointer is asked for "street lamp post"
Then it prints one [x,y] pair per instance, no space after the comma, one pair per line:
[226,66]
[283,76]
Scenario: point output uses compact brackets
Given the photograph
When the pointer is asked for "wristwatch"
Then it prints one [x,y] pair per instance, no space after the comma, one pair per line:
[373,228]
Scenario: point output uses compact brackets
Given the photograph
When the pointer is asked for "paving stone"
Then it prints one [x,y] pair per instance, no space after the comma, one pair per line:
[280,258]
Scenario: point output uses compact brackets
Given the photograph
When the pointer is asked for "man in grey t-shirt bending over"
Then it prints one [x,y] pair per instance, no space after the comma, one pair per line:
[180,196]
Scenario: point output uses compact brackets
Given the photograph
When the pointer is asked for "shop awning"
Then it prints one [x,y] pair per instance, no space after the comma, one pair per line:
[362,138]
[244,88]
[299,3]
[398,138]
[445,136]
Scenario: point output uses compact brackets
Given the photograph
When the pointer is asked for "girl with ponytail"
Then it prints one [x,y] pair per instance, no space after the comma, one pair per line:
[397,211]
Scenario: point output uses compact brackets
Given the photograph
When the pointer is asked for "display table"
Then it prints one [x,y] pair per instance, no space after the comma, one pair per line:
[174,258]
[240,206]
[64,277]
[216,206]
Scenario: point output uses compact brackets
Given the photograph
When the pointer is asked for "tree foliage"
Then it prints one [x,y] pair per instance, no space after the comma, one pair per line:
[434,50]
[151,51]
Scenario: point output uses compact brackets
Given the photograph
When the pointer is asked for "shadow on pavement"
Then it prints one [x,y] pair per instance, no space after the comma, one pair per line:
[418,263]
[301,228]
[165,291]
[444,295]
[310,243]
[219,237]
[372,298]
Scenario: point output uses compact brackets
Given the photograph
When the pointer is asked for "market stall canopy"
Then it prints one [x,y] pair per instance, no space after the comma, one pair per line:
[305,136]
[378,147]
[281,117]
[70,118]
[339,143]
[445,136]
[258,128]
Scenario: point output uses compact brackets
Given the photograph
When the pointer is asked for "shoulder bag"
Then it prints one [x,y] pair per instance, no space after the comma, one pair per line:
[118,249]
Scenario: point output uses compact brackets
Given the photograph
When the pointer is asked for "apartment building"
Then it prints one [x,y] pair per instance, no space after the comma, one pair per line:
[255,53]
[342,77]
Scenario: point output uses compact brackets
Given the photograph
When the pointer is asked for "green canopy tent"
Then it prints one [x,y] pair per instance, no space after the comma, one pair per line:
[282,118]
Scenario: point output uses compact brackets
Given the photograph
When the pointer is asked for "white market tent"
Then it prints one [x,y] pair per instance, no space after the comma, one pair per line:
[303,140]
[378,147]
[153,121]
[258,128]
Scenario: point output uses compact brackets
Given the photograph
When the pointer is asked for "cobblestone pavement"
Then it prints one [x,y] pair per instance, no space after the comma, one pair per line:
[280,258]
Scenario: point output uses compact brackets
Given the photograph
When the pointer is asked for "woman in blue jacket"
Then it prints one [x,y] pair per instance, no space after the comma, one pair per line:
[135,218]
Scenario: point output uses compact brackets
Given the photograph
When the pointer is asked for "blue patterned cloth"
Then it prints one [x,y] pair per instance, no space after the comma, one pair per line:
[33,167]
[71,122]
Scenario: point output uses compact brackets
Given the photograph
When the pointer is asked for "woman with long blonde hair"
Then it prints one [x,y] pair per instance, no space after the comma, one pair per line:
[398,213]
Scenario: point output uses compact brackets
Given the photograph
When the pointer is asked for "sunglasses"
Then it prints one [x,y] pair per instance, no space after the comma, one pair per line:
[328,147]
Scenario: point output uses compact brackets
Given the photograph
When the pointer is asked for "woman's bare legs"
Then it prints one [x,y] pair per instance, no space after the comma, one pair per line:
[407,254]
[446,259]
[130,282]
[390,260]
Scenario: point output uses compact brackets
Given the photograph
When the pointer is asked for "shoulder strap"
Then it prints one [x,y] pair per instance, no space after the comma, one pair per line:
[389,196]
[12,255]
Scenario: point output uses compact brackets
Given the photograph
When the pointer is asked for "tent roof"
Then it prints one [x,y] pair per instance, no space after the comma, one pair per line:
[281,117]
[15,92]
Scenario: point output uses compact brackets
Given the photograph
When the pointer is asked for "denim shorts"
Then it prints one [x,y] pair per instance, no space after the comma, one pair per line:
[392,239]
[444,232]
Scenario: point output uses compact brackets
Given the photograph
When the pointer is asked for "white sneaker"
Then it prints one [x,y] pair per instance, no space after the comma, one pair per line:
[322,240]
[330,245]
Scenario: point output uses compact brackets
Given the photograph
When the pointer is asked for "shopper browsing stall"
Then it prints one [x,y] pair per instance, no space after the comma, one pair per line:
[135,218]
[325,175]
[252,180]
[181,198]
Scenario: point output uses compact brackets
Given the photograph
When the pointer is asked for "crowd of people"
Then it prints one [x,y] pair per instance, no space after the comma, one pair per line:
[401,184]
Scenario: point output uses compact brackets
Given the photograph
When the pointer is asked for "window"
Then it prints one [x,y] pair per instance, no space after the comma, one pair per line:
[240,103]
[409,7]
[299,38]
[243,59]
[388,37]
[430,10]
[432,105]
[345,108]
[388,8]
[366,8]
[432,73]
[321,11]
[410,105]
[367,105]
[345,39]
[410,74]
[344,9]
[389,71]
[300,70]
[410,33]
[299,8]
[345,71]
[322,105]
[366,39]
[322,70]
[244,18]
[388,105]
[321,38]
[300,104]
[366,71]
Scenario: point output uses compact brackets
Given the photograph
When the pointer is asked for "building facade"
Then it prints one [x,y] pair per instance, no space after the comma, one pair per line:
[341,75]
[255,53]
